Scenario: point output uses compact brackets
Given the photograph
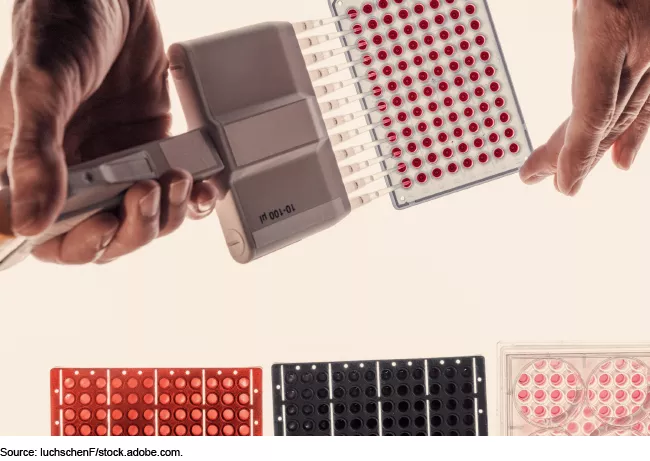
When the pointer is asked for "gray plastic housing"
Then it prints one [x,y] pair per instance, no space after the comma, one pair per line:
[250,91]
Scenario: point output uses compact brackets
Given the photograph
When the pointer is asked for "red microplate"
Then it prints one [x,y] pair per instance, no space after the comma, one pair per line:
[575,393]
[156,402]
[444,57]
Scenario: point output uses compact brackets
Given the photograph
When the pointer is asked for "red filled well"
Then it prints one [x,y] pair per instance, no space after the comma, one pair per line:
[156,402]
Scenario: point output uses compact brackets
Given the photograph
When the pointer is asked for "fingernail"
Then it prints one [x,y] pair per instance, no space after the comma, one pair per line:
[535,179]
[575,189]
[205,207]
[100,255]
[150,204]
[104,242]
[24,215]
[106,239]
[626,166]
[179,191]
[104,262]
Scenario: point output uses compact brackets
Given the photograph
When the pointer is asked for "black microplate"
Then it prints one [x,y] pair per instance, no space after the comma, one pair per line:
[418,397]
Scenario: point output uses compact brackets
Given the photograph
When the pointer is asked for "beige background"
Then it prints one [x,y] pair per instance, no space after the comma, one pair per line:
[501,262]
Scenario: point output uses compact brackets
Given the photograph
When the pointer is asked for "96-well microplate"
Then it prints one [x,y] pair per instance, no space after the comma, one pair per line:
[156,402]
[423,397]
[449,112]
[577,390]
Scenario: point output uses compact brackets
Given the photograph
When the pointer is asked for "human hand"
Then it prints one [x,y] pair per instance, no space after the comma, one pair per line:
[611,95]
[84,80]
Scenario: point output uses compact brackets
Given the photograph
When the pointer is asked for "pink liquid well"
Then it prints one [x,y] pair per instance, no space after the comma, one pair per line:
[554,390]
[619,392]
[608,398]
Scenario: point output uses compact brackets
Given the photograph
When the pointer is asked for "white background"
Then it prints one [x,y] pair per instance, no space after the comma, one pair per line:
[452,277]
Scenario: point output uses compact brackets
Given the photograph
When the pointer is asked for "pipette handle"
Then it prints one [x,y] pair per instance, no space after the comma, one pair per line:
[100,185]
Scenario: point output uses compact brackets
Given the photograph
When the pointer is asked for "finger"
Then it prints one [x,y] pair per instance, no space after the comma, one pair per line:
[635,110]
[83,244]
[203,200]
[176,186]
[140,215]
[543,161]
[6,113]
[62,52]
[631,112]
[36,162]
[628,144]
[600,57]
[6,102]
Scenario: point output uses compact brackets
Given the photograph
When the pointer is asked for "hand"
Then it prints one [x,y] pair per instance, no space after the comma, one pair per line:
[86,79]
[611,94]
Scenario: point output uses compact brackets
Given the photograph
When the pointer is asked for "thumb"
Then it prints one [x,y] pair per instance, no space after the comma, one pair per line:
[36,162]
